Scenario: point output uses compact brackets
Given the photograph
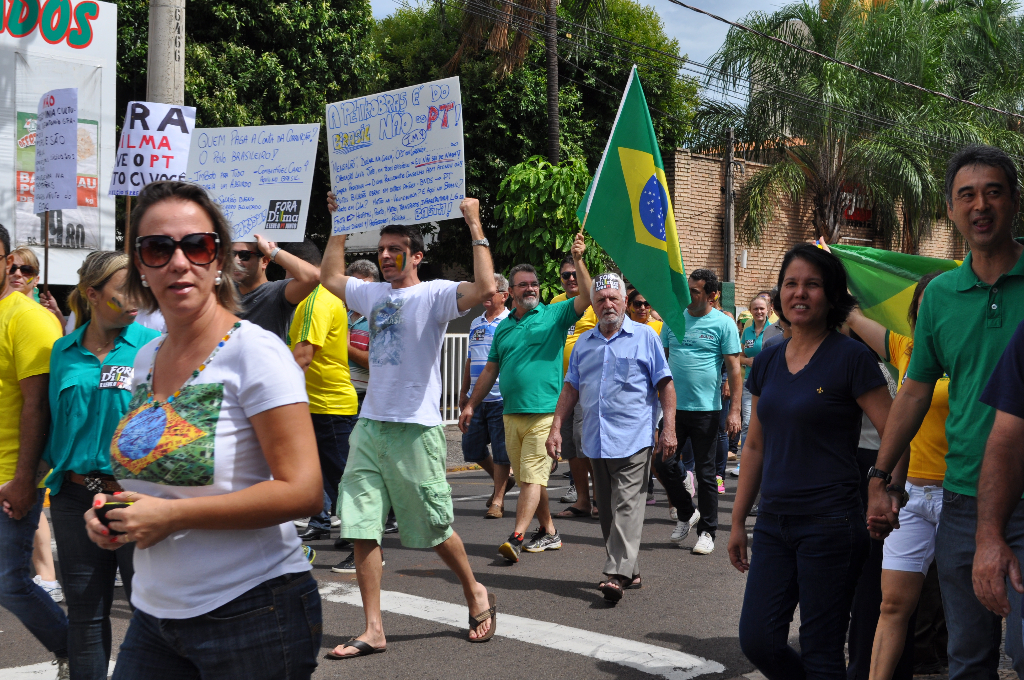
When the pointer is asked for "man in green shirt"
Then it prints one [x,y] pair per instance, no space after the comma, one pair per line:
[527,356]
[966,319]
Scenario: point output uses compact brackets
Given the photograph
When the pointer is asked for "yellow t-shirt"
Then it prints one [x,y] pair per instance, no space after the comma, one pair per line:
[585,323]
[928,448]
[745,320]
[322,320]
[27,333]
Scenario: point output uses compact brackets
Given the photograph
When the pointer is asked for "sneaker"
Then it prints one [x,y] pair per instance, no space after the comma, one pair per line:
[673,515]
[754,510]
[391,526]
[650,499]
[511,548]
[570,495]
[735,472]
[348,565]
[118,583]
[567,474]
[302,523]
[721,484]
[688,484]
[308,553]
[705,544]
[542,541]
[335,522]
[63,668]
[52,588]
[681,531]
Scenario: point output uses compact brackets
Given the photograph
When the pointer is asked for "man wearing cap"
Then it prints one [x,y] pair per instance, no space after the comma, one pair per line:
[617,372]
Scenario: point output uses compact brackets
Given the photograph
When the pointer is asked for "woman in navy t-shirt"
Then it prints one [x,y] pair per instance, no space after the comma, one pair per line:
[810,538]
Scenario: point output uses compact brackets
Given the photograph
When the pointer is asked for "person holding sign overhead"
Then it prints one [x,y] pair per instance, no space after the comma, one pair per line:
[265,303]
[397,450]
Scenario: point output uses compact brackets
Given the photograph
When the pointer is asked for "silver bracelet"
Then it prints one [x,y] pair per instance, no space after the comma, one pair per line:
[481,242]
[273,254]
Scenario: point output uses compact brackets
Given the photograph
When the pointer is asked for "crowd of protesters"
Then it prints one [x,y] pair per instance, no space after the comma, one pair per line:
[188,413]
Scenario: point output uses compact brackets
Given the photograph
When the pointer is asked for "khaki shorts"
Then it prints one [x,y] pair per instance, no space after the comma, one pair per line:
[400,466]
[525,434]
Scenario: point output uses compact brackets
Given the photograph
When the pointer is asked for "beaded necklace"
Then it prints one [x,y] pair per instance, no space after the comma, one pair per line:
[195,373]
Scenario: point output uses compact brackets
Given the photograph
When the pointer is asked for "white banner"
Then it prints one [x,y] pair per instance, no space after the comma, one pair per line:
[397,157]
[57,151]
[154,146]
[260,176]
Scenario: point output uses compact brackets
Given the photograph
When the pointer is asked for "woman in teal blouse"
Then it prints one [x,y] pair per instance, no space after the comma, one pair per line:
[90,387]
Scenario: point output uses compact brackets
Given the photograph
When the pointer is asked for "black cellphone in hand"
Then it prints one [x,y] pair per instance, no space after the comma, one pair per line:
[101,514]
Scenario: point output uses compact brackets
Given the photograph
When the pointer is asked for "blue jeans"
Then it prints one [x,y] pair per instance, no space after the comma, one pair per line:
[271,632]
[974,631]
[332,433]
[745,416]
[486,427]
[813,561]
[18,594]
[88,572]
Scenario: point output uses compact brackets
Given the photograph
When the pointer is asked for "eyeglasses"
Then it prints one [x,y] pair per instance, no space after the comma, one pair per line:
[245,255]
[568,275]
[156,251]
[525,285]
[640,304]
[25,269]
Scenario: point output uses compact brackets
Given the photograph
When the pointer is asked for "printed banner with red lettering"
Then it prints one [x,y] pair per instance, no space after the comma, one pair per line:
[154,146]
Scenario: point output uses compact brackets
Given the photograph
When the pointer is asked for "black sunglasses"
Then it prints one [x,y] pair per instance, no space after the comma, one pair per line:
[25,269]
[245,255]
[640,304]
[156,251]
[568,275]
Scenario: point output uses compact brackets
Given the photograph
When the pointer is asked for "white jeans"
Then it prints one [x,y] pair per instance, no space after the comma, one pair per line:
[912,546]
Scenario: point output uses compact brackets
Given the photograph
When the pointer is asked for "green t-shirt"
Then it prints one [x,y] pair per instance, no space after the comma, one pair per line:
[963,326]
[696,362]
[529,357]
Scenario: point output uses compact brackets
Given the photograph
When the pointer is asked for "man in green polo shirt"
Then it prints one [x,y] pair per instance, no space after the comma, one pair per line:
[966,319]
[527,356]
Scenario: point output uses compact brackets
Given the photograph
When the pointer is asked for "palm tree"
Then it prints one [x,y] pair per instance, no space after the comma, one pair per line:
[825,130]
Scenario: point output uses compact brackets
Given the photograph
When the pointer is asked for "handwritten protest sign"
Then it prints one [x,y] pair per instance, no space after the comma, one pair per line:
[397,157]
[260,176]
[56,141]
[154,146]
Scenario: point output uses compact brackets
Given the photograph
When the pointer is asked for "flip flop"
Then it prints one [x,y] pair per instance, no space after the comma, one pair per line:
[636,584]
[492,614]
[572,512]
[612,590]
[365,649]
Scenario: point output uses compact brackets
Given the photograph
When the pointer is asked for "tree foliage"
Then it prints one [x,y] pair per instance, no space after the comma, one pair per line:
[537,204]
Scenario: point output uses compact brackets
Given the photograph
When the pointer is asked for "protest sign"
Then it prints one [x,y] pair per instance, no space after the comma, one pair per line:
[397,157]
[154,146]
[56,142]
[260,176]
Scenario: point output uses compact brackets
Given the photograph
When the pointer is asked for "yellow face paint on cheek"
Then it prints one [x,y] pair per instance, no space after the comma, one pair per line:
[114,304]
[400,261]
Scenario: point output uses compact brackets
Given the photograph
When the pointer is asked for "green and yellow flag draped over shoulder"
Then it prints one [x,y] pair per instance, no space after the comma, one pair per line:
[883,281]
[628,212]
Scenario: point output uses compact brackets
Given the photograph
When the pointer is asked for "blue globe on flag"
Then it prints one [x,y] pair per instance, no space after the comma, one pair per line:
[652,208]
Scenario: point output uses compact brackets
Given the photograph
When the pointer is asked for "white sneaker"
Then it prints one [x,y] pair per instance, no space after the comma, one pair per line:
[118,583]
[735,472]
[688,484]
[63,669]
[52,589]
[705,544]
[681,531]
[301,523]
[570,495]
[673,514]
[335,522]
[694,518]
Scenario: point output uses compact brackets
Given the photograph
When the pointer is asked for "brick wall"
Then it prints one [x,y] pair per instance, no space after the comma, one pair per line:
[697,184]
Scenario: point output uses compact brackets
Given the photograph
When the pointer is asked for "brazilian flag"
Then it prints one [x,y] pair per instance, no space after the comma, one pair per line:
[883,281]
[628,212]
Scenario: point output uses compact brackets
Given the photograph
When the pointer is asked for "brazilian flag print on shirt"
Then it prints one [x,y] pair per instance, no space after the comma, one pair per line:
[628,211]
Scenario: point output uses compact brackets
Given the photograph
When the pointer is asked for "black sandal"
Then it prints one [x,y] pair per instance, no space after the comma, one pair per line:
[492,614]
[636,583]
[365,649]
[612,590]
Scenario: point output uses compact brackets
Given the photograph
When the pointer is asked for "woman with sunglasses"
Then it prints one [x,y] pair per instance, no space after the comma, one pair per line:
[639,310]
[90,385]
[217,454]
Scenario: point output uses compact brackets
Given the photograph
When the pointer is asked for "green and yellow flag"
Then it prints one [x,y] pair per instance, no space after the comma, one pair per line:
[628,212]
[883,281]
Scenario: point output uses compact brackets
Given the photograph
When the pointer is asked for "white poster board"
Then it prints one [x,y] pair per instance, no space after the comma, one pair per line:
[397,157]
[56,174]
[154,146]
[72,44]
[260,176]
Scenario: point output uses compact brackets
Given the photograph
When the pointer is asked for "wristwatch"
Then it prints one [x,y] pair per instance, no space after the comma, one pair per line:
[881,474]
[481,242]
[273,254]
[904,496]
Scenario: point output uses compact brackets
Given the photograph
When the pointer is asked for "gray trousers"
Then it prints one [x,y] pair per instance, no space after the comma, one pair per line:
[620,485]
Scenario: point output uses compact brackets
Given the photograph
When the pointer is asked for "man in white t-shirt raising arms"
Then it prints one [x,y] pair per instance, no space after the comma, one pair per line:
[397,451]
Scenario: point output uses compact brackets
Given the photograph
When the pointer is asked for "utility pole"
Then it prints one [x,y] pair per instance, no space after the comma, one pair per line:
[165,67]
[730,210]
[551,46]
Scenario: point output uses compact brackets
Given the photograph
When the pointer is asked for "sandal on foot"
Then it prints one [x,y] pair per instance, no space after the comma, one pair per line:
[496,511]
[636,584]
[572,512]
[492,614]
[612,590]
[365,649]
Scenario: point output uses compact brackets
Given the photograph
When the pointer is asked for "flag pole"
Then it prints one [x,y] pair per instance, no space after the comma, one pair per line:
[46,252]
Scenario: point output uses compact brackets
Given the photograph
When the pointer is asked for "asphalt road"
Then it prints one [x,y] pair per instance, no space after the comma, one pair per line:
[688,603]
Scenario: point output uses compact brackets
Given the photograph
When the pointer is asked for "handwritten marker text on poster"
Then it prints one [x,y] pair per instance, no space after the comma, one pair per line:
[56,171]
[397,157]
[154,146]
[260,176]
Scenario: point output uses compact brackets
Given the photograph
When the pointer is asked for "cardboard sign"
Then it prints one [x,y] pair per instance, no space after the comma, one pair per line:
[397,157]
[260,176]
[154,146]
[56,142]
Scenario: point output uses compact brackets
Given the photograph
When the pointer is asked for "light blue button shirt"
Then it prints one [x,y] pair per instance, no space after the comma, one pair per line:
[617,380]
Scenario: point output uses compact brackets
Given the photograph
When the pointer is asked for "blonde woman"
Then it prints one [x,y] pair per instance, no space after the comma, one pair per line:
[90,385]
[24,277]
[217,455]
